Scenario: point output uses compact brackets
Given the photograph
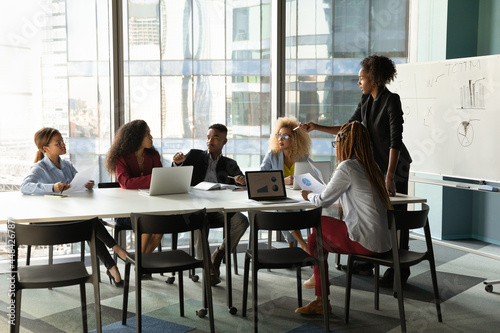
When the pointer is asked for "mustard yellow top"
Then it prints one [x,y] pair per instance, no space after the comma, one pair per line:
[289,171]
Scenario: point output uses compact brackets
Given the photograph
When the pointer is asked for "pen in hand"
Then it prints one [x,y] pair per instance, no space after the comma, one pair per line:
[232,177]
[64,186]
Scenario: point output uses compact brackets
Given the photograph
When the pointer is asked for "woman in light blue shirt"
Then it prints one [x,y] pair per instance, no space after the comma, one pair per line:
[51,174]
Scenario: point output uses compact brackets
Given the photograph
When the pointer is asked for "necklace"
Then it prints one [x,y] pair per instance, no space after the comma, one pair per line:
[140,161]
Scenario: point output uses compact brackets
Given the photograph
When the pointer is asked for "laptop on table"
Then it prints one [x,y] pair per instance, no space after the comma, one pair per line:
[267,186]
[169,180]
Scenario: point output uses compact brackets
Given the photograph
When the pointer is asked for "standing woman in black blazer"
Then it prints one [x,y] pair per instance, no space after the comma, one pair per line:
[380,111]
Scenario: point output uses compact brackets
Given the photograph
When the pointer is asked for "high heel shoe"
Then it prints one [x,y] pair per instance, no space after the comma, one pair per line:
[112,279]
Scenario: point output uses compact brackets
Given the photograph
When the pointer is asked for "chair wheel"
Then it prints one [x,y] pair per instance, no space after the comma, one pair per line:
[195,278]
[170,280]
[233,310]
[202,313]
[488,288]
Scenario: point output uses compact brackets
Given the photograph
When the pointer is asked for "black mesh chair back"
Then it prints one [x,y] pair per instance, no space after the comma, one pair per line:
[118,236]
[293,257]
[399,258]
[57,275]
[108,185]
[173,260]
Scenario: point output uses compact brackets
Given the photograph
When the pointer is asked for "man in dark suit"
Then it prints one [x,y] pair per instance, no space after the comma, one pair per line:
[211,166]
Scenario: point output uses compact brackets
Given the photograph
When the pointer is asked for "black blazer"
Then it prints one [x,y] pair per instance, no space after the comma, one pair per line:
[199,160]
[384,119]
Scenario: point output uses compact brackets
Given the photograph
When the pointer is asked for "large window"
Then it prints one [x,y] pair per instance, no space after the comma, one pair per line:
[55,72]
[325,42]
[194,63]
[187,64]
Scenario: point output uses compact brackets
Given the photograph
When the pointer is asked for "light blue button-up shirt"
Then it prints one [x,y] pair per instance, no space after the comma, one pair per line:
[44,174]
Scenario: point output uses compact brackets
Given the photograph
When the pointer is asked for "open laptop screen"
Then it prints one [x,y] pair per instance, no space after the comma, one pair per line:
[169,180]
[265,185]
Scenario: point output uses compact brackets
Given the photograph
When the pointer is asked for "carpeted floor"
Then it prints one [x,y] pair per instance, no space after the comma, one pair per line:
[466,305]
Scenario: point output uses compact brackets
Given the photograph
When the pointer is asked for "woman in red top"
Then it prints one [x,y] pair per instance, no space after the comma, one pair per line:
[132,158]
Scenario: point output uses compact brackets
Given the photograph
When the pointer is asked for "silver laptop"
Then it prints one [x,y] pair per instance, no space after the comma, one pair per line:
[266,186]
[325,167]
[169,180]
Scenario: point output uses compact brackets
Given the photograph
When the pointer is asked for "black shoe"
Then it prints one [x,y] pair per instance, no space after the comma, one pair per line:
[360,268]
[217,257]
[214,279]
[146,277]
[388,279]
[112,279]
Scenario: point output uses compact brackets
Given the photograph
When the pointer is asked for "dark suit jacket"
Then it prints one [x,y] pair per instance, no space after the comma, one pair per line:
[199,160]
[384,119]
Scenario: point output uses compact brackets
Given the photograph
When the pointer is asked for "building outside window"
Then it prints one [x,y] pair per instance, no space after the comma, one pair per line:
[187,64]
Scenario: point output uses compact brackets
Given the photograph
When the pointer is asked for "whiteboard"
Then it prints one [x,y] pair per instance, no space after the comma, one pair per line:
[451,116]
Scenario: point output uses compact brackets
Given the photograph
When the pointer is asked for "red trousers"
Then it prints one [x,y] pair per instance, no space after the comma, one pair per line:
[335,239]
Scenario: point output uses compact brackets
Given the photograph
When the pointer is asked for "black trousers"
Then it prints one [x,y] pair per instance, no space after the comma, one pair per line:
[103,239]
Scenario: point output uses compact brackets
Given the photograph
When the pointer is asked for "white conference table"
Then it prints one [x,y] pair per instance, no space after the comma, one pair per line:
[117,202]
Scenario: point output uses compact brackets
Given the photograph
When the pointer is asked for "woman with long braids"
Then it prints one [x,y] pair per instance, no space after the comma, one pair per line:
[358,182]
[380,111]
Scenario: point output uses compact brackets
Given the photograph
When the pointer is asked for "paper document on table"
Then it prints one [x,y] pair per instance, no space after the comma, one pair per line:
[317,172]
[308,183]
[81,178]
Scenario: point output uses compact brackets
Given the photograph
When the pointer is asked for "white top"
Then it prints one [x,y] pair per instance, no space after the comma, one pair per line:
[364,213]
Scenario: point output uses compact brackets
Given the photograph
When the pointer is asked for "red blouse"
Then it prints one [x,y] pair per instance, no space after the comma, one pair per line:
[128,172]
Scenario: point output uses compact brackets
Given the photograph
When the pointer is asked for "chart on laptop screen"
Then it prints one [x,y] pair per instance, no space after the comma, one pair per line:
[265,185]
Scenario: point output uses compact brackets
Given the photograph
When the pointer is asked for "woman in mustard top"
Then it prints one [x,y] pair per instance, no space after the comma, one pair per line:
[287,147]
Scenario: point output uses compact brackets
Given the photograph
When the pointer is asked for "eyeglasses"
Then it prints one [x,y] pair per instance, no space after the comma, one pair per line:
[58,143]
[334,143]
[285,137]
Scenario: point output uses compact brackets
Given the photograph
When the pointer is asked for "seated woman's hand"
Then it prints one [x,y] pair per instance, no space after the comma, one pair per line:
[61,186]
[90,185]
[289,180]
[304,194]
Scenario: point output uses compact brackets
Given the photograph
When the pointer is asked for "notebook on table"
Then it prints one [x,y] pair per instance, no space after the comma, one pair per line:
[169,180]
[324,168]
[266,186]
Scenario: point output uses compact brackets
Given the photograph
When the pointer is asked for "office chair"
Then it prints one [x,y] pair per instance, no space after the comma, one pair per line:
[193,275]
[168,261]
[118,236]
[398,258]
[293,257]
[56,275]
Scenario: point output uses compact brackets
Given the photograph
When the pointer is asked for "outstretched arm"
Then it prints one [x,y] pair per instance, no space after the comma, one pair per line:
[312,126]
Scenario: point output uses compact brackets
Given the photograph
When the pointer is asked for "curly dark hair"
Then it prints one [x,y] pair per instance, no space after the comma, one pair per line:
[380,69]
[128,139]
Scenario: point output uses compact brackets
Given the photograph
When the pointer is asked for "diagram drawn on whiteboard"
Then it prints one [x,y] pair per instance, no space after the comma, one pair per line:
[472,95]
[465,133]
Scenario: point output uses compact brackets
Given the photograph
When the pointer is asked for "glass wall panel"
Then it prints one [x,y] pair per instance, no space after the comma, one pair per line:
[325,42]
[212,65]
[55,72]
